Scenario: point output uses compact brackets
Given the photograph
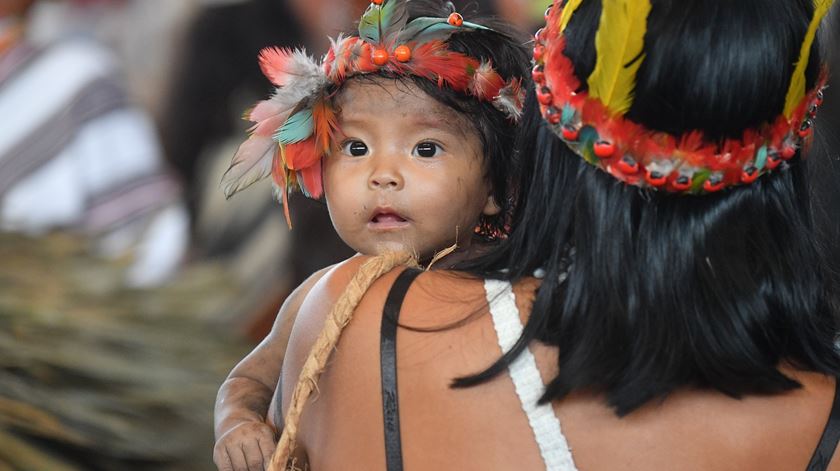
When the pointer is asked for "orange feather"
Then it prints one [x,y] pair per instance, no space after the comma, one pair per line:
[325,123]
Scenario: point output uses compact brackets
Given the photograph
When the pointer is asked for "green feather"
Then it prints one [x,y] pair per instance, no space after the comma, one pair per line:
[568,114]
[381,23]
[467,24]
[698,179]
[299,127]
[761,159]
[587,138]
[425,29]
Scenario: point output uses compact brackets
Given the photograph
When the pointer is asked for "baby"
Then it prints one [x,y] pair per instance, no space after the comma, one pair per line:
[407,130]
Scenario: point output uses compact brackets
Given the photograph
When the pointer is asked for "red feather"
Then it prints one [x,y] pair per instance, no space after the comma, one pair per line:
[301,154]
[486,82]
[559,71]
[274,63]
[434,62]
[311,179]
[364,63]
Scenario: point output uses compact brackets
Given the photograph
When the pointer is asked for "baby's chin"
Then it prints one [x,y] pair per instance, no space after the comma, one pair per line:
[380,247]
[422,254]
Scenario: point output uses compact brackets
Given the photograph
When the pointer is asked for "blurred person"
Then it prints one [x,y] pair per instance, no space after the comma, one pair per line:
[141,33]
[76,155]
[215,79]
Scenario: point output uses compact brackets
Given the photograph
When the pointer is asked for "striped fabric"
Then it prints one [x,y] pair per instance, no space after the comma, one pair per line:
[74,154]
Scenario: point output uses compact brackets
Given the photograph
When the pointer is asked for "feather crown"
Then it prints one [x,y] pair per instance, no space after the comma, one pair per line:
[593,125]
[294,128]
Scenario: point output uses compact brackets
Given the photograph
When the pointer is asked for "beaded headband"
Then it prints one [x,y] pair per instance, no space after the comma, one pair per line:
[593,125]
[295,128]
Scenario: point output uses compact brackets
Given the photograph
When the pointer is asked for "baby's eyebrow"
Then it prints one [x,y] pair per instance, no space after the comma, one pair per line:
[440,122]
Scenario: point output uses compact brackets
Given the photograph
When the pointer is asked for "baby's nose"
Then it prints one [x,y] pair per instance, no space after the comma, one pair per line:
[385,178]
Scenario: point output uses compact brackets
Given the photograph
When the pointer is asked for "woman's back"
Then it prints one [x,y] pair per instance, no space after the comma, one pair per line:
[485,427]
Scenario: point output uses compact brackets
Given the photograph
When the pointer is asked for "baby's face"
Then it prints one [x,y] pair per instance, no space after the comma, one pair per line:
[407,172]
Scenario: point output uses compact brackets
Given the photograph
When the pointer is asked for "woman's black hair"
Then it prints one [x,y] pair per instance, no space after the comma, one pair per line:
[647,292]
[507,51]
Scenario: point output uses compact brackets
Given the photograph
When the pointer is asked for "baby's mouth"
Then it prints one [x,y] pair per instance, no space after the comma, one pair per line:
[386,219]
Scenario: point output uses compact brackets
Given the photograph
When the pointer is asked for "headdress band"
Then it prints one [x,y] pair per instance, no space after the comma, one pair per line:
[593,123]
[294,129]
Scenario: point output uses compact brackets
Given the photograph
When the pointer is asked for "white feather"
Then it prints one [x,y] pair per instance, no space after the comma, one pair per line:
[251,163]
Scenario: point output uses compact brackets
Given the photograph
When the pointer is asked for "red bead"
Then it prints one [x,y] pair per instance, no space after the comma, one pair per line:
[455,19]
[547,12]
[552,114]
[402,53]
[539,36]
[713,186]
[380,57]
[819,98]
[773,161]
[377,2]
[544,96]
[627,165]
[538,74]
[804,131]
[539,52]
[749,175]
[570,133]
[788,152]
[655,178]
[604,149]
[682,183]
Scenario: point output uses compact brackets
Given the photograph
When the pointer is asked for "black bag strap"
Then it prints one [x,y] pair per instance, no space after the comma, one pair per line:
[830,437]
[388,364]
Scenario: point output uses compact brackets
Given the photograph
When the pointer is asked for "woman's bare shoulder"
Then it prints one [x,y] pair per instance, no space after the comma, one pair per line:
[436,300]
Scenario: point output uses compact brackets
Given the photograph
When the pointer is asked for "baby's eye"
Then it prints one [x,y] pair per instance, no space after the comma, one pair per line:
[354,148]
[427,149]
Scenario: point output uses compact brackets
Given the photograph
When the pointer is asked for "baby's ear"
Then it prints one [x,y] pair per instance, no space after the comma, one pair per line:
[491,207]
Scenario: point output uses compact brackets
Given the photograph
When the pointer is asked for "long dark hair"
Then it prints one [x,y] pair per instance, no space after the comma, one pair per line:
[507,51]
[646,292]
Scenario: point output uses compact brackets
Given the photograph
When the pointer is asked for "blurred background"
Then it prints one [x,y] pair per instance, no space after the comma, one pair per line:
[129,287]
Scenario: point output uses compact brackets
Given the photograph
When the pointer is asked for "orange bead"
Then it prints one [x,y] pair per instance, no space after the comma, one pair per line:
[712,186]
[380,57]
[749,175]
[604,149]
[377,2]
[655,178]
[402,53]
[455,19]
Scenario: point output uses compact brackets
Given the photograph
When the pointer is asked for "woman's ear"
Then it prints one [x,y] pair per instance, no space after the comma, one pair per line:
[491,207]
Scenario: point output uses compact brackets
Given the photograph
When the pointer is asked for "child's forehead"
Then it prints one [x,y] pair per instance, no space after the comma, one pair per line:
[380,96]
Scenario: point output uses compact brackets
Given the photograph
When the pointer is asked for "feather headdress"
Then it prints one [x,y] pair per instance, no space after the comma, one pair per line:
[593,123]
[295,128]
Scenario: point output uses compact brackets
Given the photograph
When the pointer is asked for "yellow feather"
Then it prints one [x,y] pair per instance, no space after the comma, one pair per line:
[796,92]
[619,43]
[568,10]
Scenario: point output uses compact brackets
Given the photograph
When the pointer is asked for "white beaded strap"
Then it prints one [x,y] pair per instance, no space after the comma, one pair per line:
[526,378]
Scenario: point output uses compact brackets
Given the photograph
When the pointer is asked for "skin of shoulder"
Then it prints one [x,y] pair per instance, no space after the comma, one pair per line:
[312,311]
[458,340]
